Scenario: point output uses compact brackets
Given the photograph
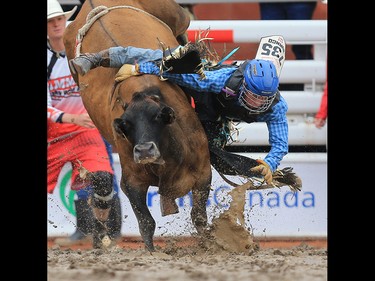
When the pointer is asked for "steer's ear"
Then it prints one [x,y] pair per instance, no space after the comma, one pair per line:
[120,127]
[167,115]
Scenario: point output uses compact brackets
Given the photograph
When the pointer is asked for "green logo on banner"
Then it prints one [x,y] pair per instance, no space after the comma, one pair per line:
[67,200]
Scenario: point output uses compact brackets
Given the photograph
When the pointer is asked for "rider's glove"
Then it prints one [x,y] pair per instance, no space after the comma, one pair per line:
[264,170]
[126,71]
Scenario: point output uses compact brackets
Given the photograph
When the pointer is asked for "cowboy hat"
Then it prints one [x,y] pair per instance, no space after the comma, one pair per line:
[54,10]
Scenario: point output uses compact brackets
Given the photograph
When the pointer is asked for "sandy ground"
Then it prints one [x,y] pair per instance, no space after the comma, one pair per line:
[230,253]
[303,263]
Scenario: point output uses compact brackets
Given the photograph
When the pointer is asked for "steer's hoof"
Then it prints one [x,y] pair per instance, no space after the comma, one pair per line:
[168,206]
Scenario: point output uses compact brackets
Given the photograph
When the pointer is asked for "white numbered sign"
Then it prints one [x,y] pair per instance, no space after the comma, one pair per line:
[272,48]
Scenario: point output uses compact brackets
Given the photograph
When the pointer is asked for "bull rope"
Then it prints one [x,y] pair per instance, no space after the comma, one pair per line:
[250,183]
[254,183]
[100,11]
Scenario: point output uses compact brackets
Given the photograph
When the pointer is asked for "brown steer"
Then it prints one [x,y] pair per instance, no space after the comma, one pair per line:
[150,122]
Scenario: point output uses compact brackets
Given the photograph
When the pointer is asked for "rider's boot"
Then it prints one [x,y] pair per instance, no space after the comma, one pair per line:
[87,61]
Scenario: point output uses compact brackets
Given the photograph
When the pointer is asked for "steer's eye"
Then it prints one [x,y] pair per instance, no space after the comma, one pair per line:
[121,127]
[155,98]
[167,115]
[123,104]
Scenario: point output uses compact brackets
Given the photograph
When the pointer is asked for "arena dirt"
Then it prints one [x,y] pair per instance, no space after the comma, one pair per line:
[229,254]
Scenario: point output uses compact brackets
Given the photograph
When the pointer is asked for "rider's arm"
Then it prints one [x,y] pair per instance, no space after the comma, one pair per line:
[277,124]
[214,81]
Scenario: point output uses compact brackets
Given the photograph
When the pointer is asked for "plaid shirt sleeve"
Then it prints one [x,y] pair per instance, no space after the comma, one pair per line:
[214,81]
[277,124]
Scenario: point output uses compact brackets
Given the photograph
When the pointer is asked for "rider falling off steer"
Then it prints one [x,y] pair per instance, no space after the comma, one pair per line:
[246,92]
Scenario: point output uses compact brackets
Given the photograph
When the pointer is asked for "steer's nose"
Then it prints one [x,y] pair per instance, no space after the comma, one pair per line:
[146,152]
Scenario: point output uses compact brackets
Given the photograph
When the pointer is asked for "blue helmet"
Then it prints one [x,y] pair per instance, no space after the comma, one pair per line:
[259,86]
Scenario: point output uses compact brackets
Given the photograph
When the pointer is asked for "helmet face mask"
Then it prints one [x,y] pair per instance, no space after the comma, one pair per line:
[253,102]
[259,86]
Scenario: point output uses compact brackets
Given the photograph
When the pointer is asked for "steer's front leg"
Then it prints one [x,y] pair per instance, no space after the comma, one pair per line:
[146,223]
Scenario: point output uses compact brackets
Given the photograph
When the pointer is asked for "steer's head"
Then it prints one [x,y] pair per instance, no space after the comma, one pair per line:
[143,123]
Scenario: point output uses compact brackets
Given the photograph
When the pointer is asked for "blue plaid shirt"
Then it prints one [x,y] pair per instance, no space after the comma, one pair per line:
[215,80]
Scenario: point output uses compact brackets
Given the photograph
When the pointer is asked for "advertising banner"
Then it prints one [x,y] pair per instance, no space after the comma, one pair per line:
[276,212]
